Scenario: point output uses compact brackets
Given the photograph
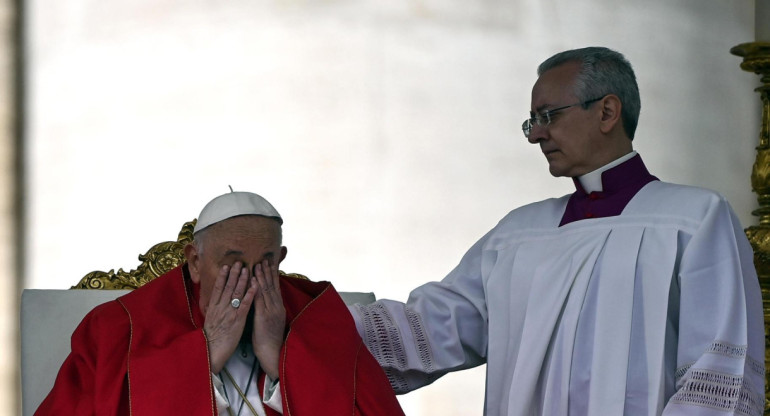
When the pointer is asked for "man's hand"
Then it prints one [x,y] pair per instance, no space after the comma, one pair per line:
[269,318]
[224,323]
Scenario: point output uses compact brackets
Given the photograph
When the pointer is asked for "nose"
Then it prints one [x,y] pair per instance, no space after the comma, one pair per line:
[537,134]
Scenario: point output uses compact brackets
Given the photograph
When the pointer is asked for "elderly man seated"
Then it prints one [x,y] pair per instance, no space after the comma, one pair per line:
[215,335]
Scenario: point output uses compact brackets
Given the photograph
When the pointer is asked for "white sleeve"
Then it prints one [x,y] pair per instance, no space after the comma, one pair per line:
[219,395]
[441,328]
[720,350]
[271,394]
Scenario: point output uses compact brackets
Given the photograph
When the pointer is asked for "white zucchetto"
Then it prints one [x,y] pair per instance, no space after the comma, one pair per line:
[233,204]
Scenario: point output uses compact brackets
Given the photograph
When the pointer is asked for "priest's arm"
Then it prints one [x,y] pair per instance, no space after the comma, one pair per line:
[441,328]
[720,347]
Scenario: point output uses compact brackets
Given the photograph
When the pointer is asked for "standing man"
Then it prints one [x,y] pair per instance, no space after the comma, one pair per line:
[631,296]
[223,334]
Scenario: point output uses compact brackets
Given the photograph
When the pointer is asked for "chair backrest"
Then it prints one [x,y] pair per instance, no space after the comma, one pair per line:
[48,317]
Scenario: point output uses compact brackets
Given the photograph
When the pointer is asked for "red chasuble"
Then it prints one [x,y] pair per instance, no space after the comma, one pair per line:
[146,354]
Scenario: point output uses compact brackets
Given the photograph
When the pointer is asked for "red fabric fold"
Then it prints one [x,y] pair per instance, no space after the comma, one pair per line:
[147,351]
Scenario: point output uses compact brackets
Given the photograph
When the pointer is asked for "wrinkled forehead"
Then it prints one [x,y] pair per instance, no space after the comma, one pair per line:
[242,230]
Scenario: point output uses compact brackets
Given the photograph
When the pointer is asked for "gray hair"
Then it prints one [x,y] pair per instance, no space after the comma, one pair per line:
[603,71]
[198,240]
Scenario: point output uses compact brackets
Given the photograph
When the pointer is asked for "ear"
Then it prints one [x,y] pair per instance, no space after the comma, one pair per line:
[282,256]
[193,262]
[610,113]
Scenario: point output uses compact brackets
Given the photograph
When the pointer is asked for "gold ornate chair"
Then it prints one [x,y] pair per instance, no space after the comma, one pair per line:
[48,317]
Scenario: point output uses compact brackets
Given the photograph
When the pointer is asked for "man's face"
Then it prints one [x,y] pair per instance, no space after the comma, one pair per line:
[570,142]
[247,239]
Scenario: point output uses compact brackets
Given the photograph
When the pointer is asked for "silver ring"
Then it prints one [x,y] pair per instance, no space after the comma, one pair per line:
[235,303]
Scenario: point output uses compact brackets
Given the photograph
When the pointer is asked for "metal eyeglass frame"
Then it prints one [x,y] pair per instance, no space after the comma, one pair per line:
[543,119]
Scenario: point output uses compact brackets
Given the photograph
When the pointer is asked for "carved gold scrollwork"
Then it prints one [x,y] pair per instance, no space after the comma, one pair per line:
[760,172]
[759,238]
[756,58]
[158,260]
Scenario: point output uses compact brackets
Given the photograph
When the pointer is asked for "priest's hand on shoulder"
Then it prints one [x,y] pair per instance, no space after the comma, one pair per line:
[224,321]
[269,318]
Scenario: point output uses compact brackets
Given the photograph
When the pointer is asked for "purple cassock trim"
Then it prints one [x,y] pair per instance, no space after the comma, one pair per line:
[619,184]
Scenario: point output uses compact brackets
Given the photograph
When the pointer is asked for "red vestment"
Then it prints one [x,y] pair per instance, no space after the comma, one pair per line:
[146,354]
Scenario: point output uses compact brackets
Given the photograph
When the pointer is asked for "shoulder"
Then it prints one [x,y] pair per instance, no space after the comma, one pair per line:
[679,191]
[173,280]
[678,200]
[107,318]
[537,217]
[541,213]
[108,311]
[164,297]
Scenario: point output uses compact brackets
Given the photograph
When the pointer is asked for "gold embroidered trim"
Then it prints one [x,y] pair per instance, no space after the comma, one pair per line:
[283,365]
[308,304]
[208,366]
[355,376]
[128,353]
[284,392]
[187,291]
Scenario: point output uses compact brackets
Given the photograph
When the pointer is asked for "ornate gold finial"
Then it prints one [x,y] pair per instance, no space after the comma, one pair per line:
[756,58]
[158,260]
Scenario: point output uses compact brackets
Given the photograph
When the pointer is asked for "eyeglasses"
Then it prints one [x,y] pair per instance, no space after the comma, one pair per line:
[543,119]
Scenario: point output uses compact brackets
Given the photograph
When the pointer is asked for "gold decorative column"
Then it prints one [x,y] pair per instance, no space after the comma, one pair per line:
[756,58]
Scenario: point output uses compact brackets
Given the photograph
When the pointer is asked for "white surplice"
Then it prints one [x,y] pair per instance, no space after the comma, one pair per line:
[655,311]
